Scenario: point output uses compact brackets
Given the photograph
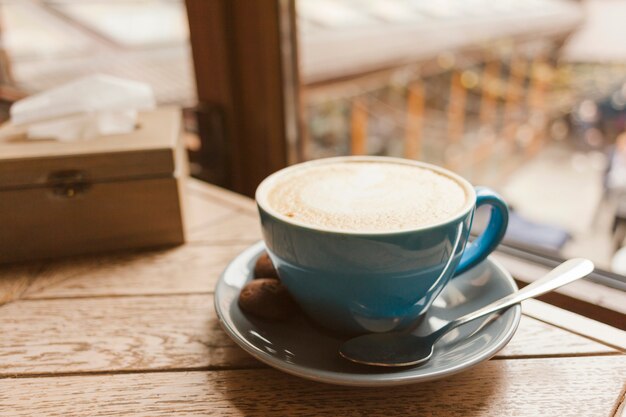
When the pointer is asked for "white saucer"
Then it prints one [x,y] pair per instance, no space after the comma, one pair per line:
[300,348]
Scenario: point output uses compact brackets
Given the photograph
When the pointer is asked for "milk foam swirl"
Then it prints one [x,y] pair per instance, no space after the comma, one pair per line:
[367,196]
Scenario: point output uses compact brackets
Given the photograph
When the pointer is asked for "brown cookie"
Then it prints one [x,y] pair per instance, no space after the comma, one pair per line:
[267,298]
[264,267]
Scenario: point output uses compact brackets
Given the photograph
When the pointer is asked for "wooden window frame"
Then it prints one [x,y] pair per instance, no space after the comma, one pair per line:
[245,61]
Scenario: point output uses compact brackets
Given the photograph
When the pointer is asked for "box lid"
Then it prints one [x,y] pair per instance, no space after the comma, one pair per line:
[149,151]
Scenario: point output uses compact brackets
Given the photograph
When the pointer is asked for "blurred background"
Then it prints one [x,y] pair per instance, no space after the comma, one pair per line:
[525,96]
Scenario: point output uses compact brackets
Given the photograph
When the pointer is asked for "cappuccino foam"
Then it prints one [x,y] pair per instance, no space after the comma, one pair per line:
[367,196]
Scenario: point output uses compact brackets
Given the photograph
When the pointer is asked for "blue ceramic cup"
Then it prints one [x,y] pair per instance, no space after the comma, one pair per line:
[356,282]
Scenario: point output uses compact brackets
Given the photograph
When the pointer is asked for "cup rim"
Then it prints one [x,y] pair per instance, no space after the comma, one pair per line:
[263,190]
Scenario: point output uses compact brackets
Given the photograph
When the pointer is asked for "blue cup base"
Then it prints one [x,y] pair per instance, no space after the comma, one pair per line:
[343,331]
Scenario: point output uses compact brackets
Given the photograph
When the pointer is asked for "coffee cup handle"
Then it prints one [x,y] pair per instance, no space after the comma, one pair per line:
[477,250]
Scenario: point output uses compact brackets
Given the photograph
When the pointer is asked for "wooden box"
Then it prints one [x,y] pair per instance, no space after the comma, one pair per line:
[112,193]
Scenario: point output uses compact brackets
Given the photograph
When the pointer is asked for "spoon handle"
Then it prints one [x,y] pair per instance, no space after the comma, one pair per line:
[565,273]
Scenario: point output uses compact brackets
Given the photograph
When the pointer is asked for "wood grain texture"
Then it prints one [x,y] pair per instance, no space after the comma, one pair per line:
[575,323]
[201,211]
[535,338]
[620,409]
[126,333]
[15,280]
[220,195]
[107,216]
[147,151]
[170,332]
[565,387]
[239,228]
[185,269]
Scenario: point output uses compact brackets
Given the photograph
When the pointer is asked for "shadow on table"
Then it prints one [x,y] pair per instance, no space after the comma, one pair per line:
[269,392]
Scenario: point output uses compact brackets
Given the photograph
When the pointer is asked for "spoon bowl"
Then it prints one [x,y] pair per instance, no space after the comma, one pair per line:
[391,349]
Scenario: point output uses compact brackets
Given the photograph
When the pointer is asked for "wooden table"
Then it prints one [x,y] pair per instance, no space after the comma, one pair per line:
[136,334]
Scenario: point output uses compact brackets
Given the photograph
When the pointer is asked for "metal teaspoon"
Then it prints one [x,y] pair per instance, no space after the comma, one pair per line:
[404,349]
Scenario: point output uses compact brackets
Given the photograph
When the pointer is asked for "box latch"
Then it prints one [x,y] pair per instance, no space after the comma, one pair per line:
[68,183]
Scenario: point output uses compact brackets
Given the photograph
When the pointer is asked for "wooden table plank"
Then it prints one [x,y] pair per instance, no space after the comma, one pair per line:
[535,338]
[15,280]
[576,323]
[245,227]
[200,210]
[171,332]
[220,195]
[180,270]
[584,386]
[114,334]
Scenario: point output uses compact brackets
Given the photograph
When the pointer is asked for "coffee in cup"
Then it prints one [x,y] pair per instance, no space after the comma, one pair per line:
[362,196]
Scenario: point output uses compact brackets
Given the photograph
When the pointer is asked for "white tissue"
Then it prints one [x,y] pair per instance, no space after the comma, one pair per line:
[90,107]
